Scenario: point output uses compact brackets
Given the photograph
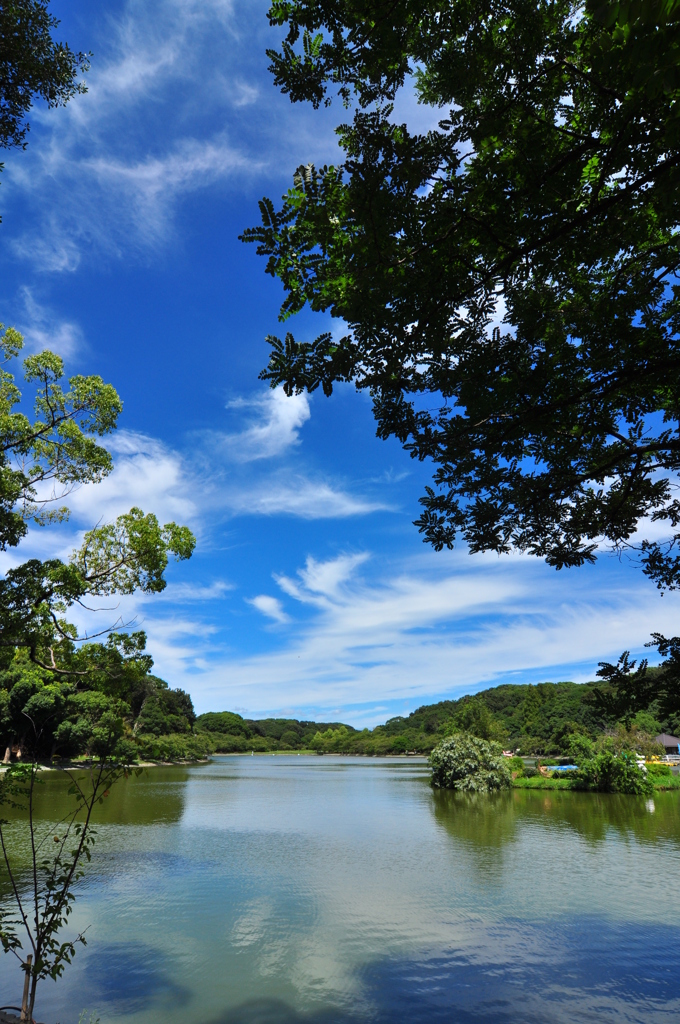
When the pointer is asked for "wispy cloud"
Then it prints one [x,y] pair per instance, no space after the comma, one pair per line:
[274,425]
[191,592]
[151,185]
[43,329]
[158,478]
[432,627]
[297,495]
[320,582]
[147,474]
[108,170]
[172,87]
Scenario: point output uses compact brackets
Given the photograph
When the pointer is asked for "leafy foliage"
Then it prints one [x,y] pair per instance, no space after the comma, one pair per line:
[110,691]
[613,773]
[166,711]
[469,764]
[230,733]
[549,190]
[631,689]
[182,746]
[41,460]
[32,65]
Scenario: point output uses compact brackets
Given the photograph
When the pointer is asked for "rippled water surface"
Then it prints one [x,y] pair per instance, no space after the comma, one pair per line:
[296,890]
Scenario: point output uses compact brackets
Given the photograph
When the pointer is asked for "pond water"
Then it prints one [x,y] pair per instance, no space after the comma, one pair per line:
[322,890]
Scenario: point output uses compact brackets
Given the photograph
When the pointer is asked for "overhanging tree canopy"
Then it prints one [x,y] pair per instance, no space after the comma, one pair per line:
[508,278]
[32,65]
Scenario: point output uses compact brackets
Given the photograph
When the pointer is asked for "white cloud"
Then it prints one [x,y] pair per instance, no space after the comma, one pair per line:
[272,428]
[437,626]
[150,185]
[49,250]
[42,329]
[326,577]
[269,606]
[275,427]
[244,94]
[107,172]
[152,476]
[147,474]
[184,592]
[321,581]
[298,496]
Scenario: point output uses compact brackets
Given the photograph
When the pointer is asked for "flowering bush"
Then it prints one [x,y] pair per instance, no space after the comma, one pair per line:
[469,764]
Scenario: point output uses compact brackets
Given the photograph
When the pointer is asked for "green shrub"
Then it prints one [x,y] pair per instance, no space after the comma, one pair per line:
[613,773]
[530,772]
[657,771]
[469,764]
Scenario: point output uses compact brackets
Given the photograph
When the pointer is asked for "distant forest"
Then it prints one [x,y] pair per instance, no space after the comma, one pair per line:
[533,719]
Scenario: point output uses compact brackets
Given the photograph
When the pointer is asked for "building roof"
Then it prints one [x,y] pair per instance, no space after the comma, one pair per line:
[666,741]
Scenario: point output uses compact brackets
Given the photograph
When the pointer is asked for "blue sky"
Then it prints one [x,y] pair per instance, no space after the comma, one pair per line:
[310,593]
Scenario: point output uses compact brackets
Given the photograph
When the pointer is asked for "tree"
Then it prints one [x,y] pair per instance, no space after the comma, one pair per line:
[630,688]
[55,452]
[508,279]
[58,688]
[474,717]
[469,764]
[33,65]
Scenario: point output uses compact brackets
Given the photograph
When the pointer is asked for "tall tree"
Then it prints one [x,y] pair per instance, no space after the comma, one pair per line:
[515,267]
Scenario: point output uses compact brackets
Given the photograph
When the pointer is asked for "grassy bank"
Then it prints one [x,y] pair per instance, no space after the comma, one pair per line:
[541,782]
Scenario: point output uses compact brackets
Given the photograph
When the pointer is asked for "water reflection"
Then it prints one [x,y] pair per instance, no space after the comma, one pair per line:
[131,978]
[571,971]
[157,796]
[480,819]
[275,1011]
[583,971]
[345,891]
[494,820]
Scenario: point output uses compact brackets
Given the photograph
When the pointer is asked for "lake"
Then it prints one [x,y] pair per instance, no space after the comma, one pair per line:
[339,890]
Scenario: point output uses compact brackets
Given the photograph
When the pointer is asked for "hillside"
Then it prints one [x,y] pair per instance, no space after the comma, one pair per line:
[537,719]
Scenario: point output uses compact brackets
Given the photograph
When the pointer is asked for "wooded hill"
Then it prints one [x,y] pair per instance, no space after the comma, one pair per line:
[536,719]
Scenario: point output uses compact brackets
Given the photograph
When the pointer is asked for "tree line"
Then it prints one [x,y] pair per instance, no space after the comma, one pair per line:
[537,719]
